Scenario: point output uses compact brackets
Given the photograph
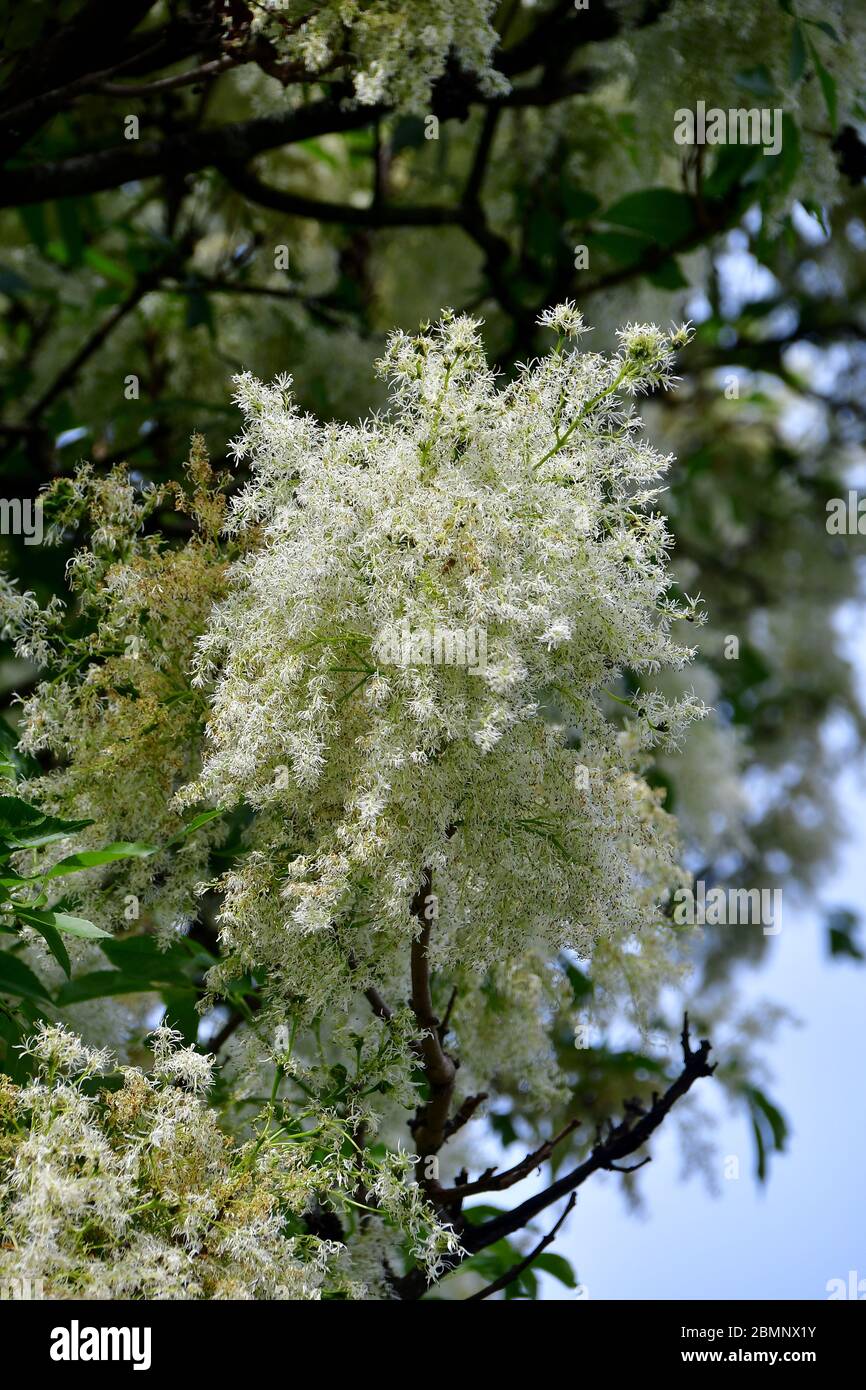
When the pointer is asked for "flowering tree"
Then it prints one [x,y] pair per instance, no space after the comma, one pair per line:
[337,820]
[411,830]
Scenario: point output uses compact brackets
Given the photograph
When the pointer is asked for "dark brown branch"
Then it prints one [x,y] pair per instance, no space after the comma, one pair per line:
[491,1181]
[95,38]
[317,308]
[516,1270]
[632,1167]
[446,1017]
[470,217]
[167,84]
[464,1113]
[481,161]
[91,345]
[376,215]
[48,101]
[623,1140]
[429,1124]
[183,153]
[378,1005]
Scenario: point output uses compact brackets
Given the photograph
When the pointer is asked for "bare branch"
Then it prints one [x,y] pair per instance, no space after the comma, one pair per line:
[178,79]
[376,215]
[183,153]
[429,1124]
[516,1270]
[623,1140]
[464,1113]
[491,1181]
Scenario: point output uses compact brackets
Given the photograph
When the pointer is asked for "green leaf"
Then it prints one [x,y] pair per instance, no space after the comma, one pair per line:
[89,858]
[61,921]
[101,984]
[669,276]
[581,985]
[756,80]
[524,1286]
[797,61]
[13,764]
[69,222]
[35,226]
[841,927]
[782,167]
[181,1013]
[195,824]
[408,135]
[769,1125]
[577,203]
[761,1167]
[625,249]
[139,955]
[732,166]
[476,1216]
[664,215]
[17,978]
[107,268]
[77,926]
[319,152]
[199,312]
[559,1267]
[828,86]
[53,940]
[23,826]
[826,28]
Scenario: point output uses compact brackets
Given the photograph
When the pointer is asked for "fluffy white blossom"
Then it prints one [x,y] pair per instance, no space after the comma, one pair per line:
[524,513]
[394,51]
[138,1193]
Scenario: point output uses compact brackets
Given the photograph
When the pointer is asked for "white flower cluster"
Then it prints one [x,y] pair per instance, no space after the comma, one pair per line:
[396,49]
[138,1193]
[525,512]
[116,715]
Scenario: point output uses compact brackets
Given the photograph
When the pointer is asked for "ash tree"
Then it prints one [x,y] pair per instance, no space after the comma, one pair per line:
[411,860]
[336,822]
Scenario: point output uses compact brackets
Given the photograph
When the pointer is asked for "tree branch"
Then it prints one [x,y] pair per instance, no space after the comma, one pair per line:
[516,1270]
[376,215]
[178,79]
[429,1125]
[464,1113]
[184,153]
[624,1139]
[491,1181]
[92,345]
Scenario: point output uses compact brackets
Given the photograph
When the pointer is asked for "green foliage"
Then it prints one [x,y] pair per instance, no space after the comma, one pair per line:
[769,1127]
[842,927]
[139,964]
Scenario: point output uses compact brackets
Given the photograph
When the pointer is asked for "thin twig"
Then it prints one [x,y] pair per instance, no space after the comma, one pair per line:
[516,1270]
